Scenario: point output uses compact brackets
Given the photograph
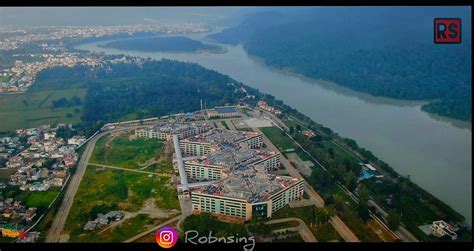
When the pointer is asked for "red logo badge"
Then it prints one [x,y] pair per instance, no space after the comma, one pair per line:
[447,30]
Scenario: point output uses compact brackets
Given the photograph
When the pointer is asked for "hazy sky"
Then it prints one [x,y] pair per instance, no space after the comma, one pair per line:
[116,15]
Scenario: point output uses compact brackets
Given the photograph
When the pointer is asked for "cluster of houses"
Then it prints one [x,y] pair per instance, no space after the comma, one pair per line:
[15,217]
[45,162]
[9,146]
[103,220]
[264,106]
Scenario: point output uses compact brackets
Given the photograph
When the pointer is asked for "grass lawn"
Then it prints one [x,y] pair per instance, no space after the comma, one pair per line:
[5,174]
[126,153]
[292,123]
[278,138]
[224,124]
[303,156]
[41,199]
[339,151]
[33,108]
[165,166]
[103,190]
[247,111]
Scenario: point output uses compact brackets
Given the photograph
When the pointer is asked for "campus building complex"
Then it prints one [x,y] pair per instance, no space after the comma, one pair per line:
[223,112]
[232,171]
[166,131]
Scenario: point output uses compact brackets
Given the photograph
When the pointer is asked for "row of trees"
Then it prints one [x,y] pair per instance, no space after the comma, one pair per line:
[64,102]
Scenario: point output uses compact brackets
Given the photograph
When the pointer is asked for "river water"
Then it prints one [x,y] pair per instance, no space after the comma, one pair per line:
[435,151]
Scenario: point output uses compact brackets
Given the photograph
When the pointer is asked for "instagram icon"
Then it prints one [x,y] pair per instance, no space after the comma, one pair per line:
[166,237]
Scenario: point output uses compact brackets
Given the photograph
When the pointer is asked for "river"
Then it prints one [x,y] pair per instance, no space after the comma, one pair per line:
[435,151]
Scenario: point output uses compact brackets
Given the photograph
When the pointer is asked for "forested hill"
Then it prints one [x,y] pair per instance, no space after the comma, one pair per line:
[134,91]
[381,51]
[165,43]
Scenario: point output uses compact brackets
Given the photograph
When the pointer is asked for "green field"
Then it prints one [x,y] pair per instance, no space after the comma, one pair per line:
[278,138]
[165,166]
[5,174]
[102,190]
[340,151]
[224,124]
[41,199]
[126,153]
[303,156]
[127,229]
[32,109]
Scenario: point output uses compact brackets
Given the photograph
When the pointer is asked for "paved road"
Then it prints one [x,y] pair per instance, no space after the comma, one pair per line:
[131,170]
[337,223]
[166,223]
[60,219]
[303,229]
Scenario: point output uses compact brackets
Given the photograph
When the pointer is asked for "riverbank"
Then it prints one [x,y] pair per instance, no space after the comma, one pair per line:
[435,153]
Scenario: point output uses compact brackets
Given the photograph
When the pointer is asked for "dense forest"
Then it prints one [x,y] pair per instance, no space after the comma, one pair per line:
[393,56]
[167,44]
[148,89]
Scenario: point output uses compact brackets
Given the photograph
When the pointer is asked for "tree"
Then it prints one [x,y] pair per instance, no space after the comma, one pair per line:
[331,210]
[331,152]
[350,181]
[394,219]
[363,211]
[338,202]
[363,207]
[363,193]
[257,226]
[298,127]
[322,216]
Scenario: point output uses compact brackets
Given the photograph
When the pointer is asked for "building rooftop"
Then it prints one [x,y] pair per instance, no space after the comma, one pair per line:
[175,128]
[232,157]
[249,185]
[223,137]
[227,109]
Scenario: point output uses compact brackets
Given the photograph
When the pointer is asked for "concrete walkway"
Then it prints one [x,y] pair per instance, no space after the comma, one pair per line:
[131,170]
[149,231]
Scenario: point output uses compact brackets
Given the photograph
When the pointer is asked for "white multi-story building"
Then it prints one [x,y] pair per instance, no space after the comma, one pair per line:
[166,131]
[241,197]
[195,148]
